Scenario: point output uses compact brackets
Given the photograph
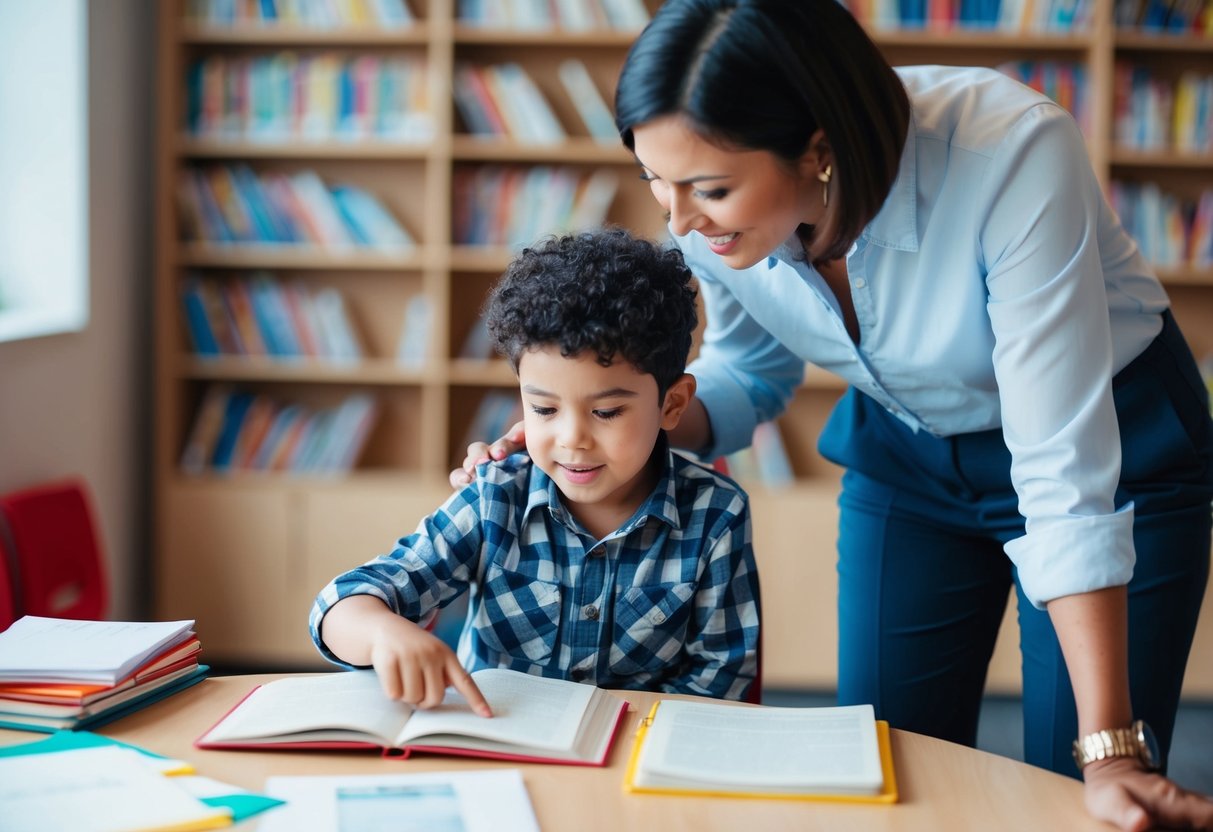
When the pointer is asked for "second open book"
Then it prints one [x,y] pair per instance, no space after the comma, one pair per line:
[535,719]
[709,748]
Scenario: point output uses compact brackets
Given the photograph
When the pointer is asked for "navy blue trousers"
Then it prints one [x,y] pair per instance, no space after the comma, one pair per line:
[923,578]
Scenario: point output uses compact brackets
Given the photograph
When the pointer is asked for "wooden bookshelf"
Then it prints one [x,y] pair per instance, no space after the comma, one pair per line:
[245,553]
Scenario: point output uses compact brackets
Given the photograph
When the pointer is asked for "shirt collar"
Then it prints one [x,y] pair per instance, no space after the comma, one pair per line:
[661,504]
[895,226]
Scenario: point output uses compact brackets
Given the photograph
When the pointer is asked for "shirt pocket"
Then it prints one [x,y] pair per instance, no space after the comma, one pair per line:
[519,617]
[650,627]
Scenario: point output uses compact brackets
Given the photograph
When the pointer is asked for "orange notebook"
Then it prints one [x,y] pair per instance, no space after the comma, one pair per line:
[535,719]
[709,749]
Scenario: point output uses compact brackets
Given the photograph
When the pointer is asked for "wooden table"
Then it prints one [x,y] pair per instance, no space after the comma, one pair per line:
[943,786]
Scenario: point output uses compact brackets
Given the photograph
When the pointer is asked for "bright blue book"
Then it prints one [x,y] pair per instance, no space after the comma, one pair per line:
[233,421]
[198,324]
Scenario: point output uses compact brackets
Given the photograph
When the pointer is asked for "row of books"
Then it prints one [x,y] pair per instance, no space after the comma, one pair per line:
[317,97]
[236,430]
[1063,81]
[503,100]
[999,15]
[59,674]
[1169,230]
[260,315]
[1192,17]
[232,204]
[513,206]
[1153,113]
[546,15]
[317,14]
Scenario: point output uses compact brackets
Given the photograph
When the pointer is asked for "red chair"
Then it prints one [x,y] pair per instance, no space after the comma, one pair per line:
[8,585]
[60,571]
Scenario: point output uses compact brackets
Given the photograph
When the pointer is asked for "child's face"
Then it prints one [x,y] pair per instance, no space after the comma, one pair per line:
[592,430]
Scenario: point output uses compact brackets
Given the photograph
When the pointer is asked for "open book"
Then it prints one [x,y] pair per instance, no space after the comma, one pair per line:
[707,748]
[534,719]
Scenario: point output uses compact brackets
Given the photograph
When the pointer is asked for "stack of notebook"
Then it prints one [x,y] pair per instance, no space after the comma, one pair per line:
[65,674]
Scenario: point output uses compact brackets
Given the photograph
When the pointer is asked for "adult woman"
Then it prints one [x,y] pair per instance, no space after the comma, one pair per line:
[937,238]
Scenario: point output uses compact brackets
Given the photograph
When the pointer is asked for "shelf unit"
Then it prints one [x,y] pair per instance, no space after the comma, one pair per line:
[244,554]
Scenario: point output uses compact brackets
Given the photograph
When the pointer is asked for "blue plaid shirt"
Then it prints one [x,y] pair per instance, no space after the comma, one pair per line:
[667,602]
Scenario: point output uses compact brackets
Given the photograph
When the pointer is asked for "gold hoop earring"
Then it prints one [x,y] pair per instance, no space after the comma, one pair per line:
[823,176]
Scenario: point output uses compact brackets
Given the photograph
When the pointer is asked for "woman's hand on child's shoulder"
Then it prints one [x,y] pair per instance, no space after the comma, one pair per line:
[415,667]
[478,452]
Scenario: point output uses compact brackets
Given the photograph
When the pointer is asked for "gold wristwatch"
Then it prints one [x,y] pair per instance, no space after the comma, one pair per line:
[1135,741]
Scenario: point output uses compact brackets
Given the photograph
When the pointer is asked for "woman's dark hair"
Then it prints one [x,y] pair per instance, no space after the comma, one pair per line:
[765,75]
[603,291]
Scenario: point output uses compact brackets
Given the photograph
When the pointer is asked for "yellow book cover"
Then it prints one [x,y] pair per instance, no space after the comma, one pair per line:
[800,748]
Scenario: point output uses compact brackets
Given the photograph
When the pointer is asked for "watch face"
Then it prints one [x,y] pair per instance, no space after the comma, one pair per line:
[1149,744]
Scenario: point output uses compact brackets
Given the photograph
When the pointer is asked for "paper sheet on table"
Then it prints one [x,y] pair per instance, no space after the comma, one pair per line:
[466,801]
[103,789]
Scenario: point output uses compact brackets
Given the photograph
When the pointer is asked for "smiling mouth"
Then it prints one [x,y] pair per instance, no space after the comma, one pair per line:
[579,469]
[722,240]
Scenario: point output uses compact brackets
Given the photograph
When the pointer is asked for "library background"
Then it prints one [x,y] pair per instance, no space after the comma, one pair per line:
[338,186]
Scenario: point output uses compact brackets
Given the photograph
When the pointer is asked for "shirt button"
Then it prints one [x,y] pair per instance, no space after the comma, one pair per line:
[598,551]
[859,283]
[590,611]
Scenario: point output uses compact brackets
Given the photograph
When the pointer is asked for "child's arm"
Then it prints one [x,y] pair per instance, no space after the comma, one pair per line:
[413,665]
[377,604]
[721,649]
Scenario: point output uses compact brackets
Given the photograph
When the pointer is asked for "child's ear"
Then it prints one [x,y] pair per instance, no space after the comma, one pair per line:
[677,400]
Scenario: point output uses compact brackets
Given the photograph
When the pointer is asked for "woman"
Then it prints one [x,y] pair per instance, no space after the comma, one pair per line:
[1022,408]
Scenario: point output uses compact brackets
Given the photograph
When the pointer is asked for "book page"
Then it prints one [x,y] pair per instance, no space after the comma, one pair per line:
[332,707]
[802,749]
[529,711]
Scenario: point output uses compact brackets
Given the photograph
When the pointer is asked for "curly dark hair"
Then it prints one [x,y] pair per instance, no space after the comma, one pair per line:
[604,291]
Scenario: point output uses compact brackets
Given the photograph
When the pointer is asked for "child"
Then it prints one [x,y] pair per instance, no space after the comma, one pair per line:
[603,557]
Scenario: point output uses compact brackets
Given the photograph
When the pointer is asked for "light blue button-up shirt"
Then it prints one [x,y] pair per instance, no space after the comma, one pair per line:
[995,288]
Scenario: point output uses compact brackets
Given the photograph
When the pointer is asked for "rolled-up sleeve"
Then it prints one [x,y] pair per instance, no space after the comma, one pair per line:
[1053,359]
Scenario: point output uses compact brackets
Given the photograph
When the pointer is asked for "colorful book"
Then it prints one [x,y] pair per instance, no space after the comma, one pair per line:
[839,754]
[537,719]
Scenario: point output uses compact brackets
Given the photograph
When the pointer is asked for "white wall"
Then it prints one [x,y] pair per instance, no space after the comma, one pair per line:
[77,404]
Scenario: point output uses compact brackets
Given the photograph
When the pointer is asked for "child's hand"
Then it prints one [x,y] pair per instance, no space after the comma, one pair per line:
[478,452]
[416,667]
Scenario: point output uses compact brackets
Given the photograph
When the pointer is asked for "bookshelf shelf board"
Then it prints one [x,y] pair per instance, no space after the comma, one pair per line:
[480,258]
[1163,42]
[258,368]
[1129,157]
[1185,275]
[481,373]
[375,150]
[572,151]
[387,480]
[278,35]
[298,257]
[610,38]
[960,38]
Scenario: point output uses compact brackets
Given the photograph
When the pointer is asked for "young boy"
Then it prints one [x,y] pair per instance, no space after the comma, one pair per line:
[604,557]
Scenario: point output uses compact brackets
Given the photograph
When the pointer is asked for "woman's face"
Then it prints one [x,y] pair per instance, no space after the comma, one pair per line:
[745,202]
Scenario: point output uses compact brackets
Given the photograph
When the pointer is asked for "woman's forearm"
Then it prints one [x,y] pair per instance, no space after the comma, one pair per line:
[1093,630]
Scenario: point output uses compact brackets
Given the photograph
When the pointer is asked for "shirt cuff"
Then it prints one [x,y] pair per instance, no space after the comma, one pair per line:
[1074,555]
[730,412]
